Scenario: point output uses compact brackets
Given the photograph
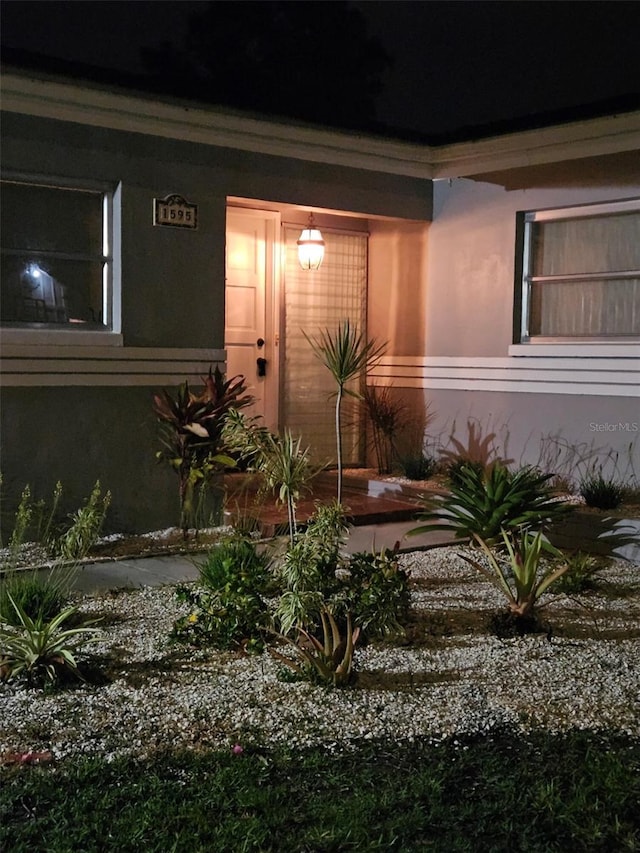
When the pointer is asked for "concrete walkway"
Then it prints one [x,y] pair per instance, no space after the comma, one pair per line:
[158,571]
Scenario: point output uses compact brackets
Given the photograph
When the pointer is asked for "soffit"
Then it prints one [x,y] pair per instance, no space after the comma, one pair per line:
[69,101]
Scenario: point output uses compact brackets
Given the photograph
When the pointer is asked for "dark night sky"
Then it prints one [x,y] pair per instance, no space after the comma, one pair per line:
[455,63]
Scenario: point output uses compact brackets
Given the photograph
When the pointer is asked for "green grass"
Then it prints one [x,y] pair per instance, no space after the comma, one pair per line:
[503,792]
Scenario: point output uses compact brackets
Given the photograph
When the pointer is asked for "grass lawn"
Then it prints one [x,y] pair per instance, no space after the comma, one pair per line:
[501,792]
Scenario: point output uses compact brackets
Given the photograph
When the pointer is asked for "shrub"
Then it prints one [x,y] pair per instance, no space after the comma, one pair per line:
[375,590]
[39,649]
[600,492]
[386,415]
[486,502]
[418,467]
[455,469]
[281,461]
[369,587]
[38,597]
[308,568]
[579,574]
[228,607]
[191,435]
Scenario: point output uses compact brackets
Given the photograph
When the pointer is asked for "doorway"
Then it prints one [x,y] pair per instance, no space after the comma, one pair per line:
[271,303]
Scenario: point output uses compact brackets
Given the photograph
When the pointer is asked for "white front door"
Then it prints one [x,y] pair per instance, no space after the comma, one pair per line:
[251,322]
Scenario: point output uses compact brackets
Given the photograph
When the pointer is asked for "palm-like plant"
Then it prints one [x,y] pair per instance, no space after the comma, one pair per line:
[36,647]
[346,353]
[517,573]
[281,460]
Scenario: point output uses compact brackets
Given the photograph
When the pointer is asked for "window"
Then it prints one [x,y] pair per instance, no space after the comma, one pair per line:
[581,274]
[56,262]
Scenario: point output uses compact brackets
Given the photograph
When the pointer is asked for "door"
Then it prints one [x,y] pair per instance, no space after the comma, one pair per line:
[251,328]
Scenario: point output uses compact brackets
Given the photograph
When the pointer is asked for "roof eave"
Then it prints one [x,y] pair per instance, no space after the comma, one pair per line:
[27,93]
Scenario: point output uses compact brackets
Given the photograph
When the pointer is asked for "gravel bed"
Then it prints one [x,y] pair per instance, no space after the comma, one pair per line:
[585,674]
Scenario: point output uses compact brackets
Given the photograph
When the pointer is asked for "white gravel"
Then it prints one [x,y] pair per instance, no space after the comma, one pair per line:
[167,696]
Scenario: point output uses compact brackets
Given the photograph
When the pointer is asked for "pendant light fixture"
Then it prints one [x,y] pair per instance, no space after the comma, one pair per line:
[310,246]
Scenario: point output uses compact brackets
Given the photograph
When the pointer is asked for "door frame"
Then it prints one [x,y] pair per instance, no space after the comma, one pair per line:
[273,269]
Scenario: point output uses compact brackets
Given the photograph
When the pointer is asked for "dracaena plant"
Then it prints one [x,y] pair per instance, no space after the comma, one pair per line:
[483,502]
[281,460]
[516,570]
[191,433]
[39,649]
[328,661]
[346,354]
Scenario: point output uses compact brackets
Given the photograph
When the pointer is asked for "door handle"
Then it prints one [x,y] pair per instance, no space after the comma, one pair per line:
[262,366]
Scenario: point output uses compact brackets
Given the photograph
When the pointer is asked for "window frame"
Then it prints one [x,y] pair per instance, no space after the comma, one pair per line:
[28,332]
[524,278]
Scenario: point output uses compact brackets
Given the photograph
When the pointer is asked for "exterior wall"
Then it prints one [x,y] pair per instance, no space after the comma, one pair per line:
[397,278]
[468,370]
[471,265]
[78,411]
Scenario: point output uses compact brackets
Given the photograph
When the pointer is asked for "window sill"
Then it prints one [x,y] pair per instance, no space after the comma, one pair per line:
[60,337]
[575,350]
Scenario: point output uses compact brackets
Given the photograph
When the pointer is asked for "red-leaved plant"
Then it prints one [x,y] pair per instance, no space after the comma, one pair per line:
[191,434]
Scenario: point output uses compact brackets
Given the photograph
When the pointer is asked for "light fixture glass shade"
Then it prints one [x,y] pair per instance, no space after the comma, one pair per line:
[310,247]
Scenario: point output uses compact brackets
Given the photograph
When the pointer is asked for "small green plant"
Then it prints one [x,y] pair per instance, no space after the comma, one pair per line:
[42,650]
[39,597]
[314,575]
[579,576]
[191,428]
[21,524]
[516,571]
[86,524]
[328,661]
[386,415]
[376,592]
[484,503]
[228,607]
[418,466]
[600,492]
[346,353]
[307,570]
[280,460]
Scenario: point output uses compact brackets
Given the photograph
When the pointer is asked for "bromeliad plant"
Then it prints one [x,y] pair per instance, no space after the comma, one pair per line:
[346,354]
[516,572]
[328,661]
[42,650]
[191,434]
[484,502]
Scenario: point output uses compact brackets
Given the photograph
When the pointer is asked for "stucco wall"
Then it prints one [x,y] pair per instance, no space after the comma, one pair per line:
[397,285]
[567,434]
[172,288]
[471,262]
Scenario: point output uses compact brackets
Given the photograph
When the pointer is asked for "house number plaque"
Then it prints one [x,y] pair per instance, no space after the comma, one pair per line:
[175,212]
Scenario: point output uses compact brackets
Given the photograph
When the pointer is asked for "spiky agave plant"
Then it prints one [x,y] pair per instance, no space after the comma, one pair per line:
[345,353]
[328,661]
